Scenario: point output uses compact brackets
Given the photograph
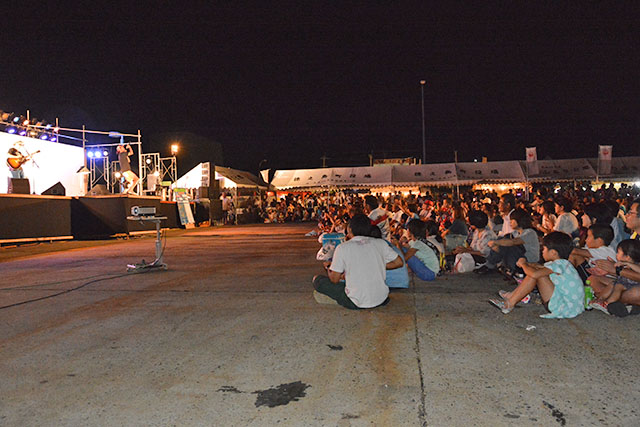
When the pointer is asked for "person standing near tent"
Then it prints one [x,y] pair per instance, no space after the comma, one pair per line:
[124,151]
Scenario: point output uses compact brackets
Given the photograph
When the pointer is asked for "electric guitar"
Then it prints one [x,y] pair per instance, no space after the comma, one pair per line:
[16,162]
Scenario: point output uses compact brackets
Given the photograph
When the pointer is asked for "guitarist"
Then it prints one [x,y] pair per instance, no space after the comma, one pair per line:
[18,160]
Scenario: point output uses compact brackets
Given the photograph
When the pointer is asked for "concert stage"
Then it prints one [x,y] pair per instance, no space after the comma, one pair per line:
[32,217]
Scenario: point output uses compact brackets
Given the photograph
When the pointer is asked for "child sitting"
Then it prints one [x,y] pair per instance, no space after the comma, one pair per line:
[599,236]
[627,271]
[422,256]
[557,281]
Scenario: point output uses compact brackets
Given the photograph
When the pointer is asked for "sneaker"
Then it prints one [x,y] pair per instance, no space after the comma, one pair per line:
[323,299]
[484,270]
[618,309]
[600,305]
[501,305]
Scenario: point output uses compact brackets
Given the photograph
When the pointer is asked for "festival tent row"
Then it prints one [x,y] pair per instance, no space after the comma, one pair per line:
[447,174]
[229,178]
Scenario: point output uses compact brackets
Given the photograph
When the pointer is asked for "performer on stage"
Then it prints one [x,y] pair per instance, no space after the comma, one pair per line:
[124,151]
[16,159]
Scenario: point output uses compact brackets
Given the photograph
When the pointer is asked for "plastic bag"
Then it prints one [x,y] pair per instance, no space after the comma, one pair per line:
[464,263]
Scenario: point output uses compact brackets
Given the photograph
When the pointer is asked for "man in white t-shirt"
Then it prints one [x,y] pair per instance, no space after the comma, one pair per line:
[361,262]
[377,215]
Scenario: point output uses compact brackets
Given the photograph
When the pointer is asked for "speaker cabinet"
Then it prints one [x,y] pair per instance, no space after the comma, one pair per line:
[99,190]
[18,186]
[55,190]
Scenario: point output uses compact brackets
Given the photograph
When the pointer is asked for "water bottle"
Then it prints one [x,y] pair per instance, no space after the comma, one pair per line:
[588,294]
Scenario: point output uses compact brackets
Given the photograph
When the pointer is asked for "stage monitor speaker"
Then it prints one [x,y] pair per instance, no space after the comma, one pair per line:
[99,190]
[18,186]
[55,190]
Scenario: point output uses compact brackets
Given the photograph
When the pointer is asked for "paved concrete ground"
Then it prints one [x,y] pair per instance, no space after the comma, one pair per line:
[231,335]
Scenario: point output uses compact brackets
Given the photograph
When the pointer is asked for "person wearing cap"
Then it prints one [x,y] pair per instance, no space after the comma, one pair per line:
[124,151]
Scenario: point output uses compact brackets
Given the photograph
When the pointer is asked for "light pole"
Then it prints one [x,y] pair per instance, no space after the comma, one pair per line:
[424,141]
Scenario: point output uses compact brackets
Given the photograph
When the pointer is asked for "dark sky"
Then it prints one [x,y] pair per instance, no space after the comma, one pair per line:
[290,83]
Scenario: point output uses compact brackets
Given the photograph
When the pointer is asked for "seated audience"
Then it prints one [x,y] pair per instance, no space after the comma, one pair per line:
[557,281]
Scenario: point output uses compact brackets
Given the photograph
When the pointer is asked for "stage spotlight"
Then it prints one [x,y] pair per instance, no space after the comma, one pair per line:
[156,173]
[90,154]
[16,119]
[11,130]
[44,137]
[148,161]
[33,133]
[25,122]
[53,139]
[118,175]
[56,129]
[97,154]
[105,153]
[48,126]
[23,132]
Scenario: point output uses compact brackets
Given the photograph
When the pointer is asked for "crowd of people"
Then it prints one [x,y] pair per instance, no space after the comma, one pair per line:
[553,247]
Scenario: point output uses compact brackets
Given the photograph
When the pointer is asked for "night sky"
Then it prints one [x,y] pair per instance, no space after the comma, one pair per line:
[291,83]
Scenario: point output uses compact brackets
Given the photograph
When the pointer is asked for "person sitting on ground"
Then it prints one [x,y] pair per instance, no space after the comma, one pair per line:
[506,205]
[607,289]
[617,222]
[557,281]
[566,221]
[480,237]
[361,262]
[422,256]
[548,220]
[522,242]
[599,237]
[377,215]
[456,234]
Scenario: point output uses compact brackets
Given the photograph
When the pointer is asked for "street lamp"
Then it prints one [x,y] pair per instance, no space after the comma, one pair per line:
[424,142]
[174,149]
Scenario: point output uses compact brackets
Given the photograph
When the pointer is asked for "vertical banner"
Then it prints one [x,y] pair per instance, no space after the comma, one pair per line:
[184,208]
[264,174]
[532,161]
[604,159]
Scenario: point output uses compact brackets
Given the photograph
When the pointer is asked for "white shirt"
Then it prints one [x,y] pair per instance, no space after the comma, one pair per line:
[384,225]
[363,260]
[603,252]
[566,223]
[506,225]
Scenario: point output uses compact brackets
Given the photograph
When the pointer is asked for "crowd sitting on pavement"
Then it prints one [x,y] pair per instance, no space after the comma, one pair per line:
[553,247]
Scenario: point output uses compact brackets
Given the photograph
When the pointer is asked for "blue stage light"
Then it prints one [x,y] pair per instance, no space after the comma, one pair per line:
[105,153]
[53,139]
[97,154]
[90,154]
[23,132]
[11,130]
[16,119]
[44,137]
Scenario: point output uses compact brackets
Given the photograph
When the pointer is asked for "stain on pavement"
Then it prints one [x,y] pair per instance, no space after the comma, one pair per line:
[281,395]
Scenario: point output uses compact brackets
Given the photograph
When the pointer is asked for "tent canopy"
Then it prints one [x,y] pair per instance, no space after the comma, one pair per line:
[514,171]
[230,178]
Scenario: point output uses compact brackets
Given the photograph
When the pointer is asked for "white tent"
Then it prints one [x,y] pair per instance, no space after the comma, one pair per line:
[229,178]
[431,174]
[562,170]
[477,172]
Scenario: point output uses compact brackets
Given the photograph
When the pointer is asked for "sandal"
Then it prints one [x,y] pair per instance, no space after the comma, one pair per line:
[501,304]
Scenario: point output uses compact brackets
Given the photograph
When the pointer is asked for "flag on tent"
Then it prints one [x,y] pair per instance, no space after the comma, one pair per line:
[532,161]
[264,174]
[604,159]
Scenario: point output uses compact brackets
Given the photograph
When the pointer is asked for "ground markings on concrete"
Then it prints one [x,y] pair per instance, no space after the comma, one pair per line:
[484,366]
